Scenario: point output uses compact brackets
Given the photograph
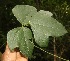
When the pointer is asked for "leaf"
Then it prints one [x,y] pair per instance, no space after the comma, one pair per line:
[45,13]
[42,23]
[20,37]
[21,12]
[43,26]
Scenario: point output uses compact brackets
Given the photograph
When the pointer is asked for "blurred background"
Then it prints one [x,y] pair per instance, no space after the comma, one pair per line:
[61,12]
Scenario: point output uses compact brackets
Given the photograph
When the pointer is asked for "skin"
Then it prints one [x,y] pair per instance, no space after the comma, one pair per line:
[12,56]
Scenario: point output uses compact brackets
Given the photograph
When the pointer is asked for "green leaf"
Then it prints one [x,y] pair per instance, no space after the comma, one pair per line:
[42,23]
[43,26]
[20,37]
[45,13]
[21,12]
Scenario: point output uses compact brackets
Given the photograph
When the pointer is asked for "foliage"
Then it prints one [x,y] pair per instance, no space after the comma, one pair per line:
[60,10]
[20,37]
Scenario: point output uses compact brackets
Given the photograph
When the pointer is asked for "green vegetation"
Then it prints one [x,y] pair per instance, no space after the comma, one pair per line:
[61,12]
[42,26]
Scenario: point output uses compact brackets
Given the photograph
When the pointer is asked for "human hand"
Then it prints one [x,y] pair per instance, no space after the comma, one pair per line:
[12,56]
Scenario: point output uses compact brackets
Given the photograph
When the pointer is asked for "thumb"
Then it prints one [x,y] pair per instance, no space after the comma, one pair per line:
[8,55]
[21,57]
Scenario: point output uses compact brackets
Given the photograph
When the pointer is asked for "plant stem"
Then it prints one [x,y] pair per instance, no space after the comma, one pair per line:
[55,53]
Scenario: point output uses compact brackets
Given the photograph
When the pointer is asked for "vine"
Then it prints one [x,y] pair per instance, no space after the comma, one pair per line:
[51,53]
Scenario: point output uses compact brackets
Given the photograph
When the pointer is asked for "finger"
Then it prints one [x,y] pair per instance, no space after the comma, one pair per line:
[7,50]
[12,56]
[18,54]
[8,55]
[21,59]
